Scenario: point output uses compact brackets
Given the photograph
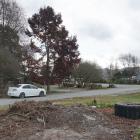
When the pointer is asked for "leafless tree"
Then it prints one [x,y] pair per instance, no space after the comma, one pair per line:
[11,15]
[128,60]
[130,63]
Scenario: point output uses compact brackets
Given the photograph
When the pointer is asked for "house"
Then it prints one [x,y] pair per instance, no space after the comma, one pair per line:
[137,77]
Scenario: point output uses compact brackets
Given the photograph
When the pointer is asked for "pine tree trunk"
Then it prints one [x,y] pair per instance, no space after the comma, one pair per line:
[48,66]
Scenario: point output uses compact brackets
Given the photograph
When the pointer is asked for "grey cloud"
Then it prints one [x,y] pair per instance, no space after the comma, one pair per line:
[114,23]
[97,31]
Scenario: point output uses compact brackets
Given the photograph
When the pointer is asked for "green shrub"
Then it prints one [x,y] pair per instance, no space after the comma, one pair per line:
[99,105]
[92,103]
[103,105]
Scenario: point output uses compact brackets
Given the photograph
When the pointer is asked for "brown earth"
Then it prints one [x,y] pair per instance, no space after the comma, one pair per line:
[45,121]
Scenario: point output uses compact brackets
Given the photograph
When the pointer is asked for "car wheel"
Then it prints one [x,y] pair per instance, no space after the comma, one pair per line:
[22,95]
[41,94]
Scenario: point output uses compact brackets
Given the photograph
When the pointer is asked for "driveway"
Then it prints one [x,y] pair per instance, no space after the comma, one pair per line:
[120,89]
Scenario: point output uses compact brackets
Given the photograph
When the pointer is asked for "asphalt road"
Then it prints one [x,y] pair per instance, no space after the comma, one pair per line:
[120,89]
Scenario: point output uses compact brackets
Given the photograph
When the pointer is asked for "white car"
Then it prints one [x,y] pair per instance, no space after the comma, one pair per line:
[26,90]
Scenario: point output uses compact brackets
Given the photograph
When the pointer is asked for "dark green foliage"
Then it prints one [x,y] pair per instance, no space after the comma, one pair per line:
[9,66]
[88,72]
[11,25]
[10,40]
[10,54]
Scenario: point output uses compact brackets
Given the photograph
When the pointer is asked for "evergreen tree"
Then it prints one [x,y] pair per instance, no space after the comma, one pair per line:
[60,50]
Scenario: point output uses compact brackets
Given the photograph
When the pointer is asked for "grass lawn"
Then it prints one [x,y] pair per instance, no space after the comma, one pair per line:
[102,101]
[56,89]
[137,137]
[4,107]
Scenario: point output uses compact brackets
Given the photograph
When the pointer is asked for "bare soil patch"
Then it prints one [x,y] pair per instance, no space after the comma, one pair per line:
[46,121]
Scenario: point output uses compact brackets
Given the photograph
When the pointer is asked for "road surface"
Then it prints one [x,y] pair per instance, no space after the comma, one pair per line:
[120,89]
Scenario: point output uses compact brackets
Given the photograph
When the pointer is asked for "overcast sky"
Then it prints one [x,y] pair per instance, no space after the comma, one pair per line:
[104,28]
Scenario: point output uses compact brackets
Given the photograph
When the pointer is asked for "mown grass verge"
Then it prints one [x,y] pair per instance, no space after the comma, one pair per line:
[4,107]
[101,101]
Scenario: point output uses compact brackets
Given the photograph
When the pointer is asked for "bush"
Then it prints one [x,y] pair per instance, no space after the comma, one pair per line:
[92,103]
[79,85]
[94,86]
[111,86]
[99,105]
[68,84]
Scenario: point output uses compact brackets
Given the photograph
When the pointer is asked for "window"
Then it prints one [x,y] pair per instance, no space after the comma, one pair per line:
[27,87]
[33,87]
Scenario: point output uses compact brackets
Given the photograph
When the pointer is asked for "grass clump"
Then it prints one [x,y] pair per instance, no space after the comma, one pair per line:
[4,107]
[99,105]
[137,137]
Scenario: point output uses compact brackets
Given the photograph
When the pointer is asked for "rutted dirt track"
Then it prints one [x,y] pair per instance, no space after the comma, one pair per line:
[45,121]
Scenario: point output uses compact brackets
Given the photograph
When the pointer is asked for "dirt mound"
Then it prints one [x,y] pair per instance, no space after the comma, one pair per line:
[31,110]
[45,121]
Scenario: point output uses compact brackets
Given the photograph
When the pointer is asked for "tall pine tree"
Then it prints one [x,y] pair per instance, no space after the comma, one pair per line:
[60,49]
